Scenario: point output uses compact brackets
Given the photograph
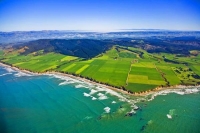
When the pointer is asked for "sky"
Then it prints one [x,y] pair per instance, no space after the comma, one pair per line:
[99,15]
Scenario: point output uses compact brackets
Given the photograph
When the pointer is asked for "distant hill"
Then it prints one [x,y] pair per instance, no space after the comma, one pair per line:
[89,48]
[84,48]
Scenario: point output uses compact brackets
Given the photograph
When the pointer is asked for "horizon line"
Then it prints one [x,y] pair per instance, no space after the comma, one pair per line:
[114,30]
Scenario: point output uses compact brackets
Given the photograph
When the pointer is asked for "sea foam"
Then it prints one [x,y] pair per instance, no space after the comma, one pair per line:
[5,74]
[21,74]
[169,116]
[107,110]
[86,95]
[171,113]
[94,88]
[179,91]
[113,102]
[93,91]
[8,69]
[94,98]
[102,96]
[80,86]
[103,91]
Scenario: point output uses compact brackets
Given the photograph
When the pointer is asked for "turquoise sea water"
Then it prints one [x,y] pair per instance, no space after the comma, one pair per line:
[49,103]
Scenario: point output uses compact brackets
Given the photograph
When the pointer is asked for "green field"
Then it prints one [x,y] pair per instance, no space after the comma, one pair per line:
[127,68]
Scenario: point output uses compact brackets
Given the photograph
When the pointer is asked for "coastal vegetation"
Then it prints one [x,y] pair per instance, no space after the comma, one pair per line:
[133,68]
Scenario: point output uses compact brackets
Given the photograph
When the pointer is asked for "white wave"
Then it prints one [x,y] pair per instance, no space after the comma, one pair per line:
[103,91]
[92,87]
[80,86]
[171,113]
[5,74]
[86,95]
[69,80]
[169,116]
[100,88]
[181,91]
[93,91]
[107,109]
[190,91]
[20,74]
[8,69]
[111,92]
[94,98]
[64,83]
[113,102]
[65,78]
[102,96]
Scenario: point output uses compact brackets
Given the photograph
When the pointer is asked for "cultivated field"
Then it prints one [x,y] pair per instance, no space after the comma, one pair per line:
[127,68]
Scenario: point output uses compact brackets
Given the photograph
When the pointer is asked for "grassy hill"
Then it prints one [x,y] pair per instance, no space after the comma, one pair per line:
[130,68]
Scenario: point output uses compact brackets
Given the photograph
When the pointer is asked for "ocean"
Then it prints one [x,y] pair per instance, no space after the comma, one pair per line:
[58,104]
